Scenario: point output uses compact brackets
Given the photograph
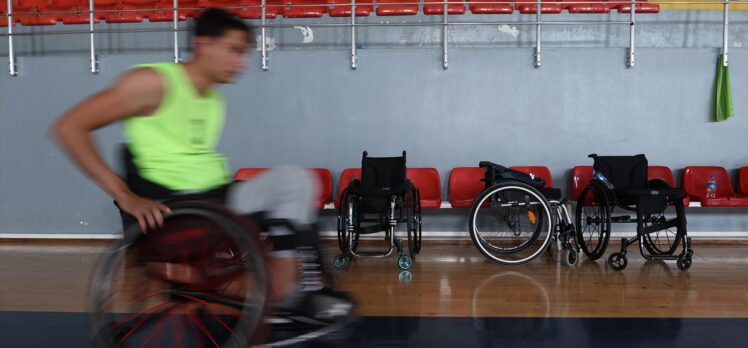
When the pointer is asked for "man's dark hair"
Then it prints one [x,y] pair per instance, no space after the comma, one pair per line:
[215,22]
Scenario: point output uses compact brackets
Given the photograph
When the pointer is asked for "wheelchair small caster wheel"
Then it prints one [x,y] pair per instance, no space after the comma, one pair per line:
[405,262]
[617,261]
[570,257]
[340,261]
[684,261]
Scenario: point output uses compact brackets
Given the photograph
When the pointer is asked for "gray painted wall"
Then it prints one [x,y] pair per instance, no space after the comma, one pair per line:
[310,109]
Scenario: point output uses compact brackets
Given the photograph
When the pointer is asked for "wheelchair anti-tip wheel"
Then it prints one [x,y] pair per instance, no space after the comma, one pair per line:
[200,280]
[511,223]
[593,221]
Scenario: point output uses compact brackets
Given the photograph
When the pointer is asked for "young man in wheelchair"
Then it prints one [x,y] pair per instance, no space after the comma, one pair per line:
[173,117]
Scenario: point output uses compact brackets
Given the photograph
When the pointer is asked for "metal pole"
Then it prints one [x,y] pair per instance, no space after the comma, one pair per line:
[11,56]
[725,30]
[537,35]
[445,57]
[264,48]
[631,59]
[353,35]
[93,59]
[175,21]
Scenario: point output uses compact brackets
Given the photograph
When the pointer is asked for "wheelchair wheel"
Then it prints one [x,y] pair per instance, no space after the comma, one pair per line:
[201,280]
[413,217]
[593,221]
[662,242]
[617,261]
[511,223]
[347,222]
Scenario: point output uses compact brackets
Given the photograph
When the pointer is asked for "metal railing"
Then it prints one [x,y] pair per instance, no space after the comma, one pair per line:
[353,24]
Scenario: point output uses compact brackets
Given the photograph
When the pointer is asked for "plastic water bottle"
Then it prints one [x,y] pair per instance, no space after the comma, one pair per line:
[711,188]
[601,178]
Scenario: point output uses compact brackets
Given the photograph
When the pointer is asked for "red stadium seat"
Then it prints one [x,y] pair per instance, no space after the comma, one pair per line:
[342,8]
[410,8]
[436,7]
[324,181]
[642,6]
[323,176]
[294,10]
[664,173]
[547,6]
[743,180]
[429,186]
[580,177]
[3,13]
[539,171]
[695,179]
[30,13]
[483,7]
[464,185]
[594,6]
[346,177]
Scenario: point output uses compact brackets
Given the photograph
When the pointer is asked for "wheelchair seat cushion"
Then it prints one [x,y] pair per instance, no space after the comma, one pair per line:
[551,194]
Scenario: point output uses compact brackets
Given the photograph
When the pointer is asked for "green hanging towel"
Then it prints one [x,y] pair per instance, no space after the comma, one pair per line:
[723,96]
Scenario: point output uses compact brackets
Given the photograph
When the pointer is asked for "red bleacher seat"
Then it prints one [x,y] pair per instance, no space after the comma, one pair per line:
[111,12]
[464,185]
[30,13]
[594,6]
[580,177]
[294,10]
[482,7]
[410,8]
[664,173]
[436,7]
[642,6]
[3,13]
[342,8]
[429,186]
[164,11]
[743,180]
[251,9]
[78,9]
[546,6]
[346,177]
[323,176]
[695,179]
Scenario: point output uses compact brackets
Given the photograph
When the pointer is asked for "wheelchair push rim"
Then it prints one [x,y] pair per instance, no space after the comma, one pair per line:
[523,218]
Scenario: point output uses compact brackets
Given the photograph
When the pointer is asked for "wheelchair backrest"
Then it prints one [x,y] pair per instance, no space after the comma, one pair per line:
[380,173]
[624,172]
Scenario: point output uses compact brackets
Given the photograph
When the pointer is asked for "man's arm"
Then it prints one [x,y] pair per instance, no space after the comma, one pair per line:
[137,92]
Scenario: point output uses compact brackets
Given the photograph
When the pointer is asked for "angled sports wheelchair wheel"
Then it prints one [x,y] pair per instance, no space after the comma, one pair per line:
[511,223]
[201,280]
[593,221]
[347,223]
[413,217]
[662,242]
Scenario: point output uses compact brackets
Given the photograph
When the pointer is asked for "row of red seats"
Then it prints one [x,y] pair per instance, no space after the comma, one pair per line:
[41,12]
[465,184]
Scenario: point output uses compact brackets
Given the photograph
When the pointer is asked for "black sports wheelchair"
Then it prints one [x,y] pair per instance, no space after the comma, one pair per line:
[622,182]
[516,218]
[382,199]
[199,280]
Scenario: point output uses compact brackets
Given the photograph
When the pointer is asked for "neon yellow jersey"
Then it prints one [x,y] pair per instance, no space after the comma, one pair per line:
[175,146]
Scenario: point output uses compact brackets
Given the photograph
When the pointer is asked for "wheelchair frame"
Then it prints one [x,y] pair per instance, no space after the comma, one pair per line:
[403,207]
[561,232]
[647,222]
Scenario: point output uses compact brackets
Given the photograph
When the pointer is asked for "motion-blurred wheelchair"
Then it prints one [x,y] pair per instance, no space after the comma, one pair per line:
[201,279]
[378,202]
[622,182]
[516,218]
